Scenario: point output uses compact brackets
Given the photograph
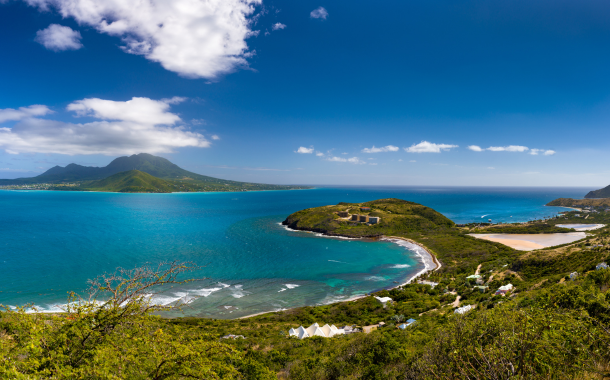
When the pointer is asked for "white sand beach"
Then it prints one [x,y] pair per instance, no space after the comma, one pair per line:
[529,242]
[582,227]
[431,263]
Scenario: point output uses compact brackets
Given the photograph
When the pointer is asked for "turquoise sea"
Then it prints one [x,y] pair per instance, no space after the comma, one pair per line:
[53,242]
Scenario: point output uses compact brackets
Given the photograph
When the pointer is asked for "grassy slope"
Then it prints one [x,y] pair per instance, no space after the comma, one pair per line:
[579,203]
[132,181]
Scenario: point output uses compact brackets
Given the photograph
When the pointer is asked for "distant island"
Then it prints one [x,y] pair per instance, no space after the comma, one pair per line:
[601,193]
[139,173]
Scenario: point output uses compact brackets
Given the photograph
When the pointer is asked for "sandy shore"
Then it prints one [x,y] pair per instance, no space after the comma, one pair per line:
[530,242]
[430,261]
[582,227]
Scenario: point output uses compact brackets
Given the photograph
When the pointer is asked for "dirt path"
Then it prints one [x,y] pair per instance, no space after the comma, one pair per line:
[456,303]
[478,269]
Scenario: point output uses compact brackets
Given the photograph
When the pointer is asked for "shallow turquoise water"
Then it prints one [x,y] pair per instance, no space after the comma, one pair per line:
[52,242]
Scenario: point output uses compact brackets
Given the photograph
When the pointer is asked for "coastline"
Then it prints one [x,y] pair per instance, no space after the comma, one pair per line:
[431,263]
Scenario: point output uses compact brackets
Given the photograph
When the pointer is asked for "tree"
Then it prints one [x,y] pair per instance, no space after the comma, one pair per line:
[112,333]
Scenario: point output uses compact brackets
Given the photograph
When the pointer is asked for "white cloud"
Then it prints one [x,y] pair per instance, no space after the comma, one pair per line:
[535,152]
[428,147]
[215,137]
[373,163]
[137,110]
[134,126]
[388,148]
[490,167]
[320,13]
[198,39]
[23,113]
[304,150]
[353,160]
[58,38]
[278,26]
[319,154]
[513,148]
[510,148]
[199,122]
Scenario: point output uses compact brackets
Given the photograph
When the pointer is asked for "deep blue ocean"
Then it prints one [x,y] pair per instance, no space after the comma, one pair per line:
[53,242]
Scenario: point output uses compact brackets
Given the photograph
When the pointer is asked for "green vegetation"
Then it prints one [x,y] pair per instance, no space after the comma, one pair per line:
[518,228]
[548,327]
[556,331]
[132,181]
[77,177]
[601,193]
[580,203]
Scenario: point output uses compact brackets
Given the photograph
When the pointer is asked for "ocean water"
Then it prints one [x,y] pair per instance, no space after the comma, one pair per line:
[53,242]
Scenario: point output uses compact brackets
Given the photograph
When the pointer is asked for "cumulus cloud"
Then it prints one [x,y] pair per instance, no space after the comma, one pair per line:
[475,148]
[137,110]
[134,126]
[388,148]
[197,39]
[278,26]
[353,160]
[59,38]
[9,114]
[509,148]
[319,154]
[428,147]
[215,137]
[304,150]
[320,13]
[544,152]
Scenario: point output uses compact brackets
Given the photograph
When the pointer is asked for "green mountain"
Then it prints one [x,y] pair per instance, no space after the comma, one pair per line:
[159,167]
[132,181]
[601,193]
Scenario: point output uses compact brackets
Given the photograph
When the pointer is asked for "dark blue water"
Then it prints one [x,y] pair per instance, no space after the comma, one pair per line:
[53,242]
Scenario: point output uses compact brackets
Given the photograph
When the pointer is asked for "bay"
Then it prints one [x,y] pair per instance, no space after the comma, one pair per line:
[53,242]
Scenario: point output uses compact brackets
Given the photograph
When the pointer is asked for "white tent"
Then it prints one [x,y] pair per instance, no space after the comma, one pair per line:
[302,333]
[327,331]
[311,329]
[315,330]
[318,332]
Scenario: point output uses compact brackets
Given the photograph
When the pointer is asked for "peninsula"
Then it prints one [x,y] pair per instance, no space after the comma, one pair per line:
[139,173]
[396,218]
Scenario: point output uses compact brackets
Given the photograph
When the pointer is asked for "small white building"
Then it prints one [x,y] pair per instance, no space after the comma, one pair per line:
[463,309]
[384,300]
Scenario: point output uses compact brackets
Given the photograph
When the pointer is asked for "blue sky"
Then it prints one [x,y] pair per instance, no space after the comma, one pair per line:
[235,89]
